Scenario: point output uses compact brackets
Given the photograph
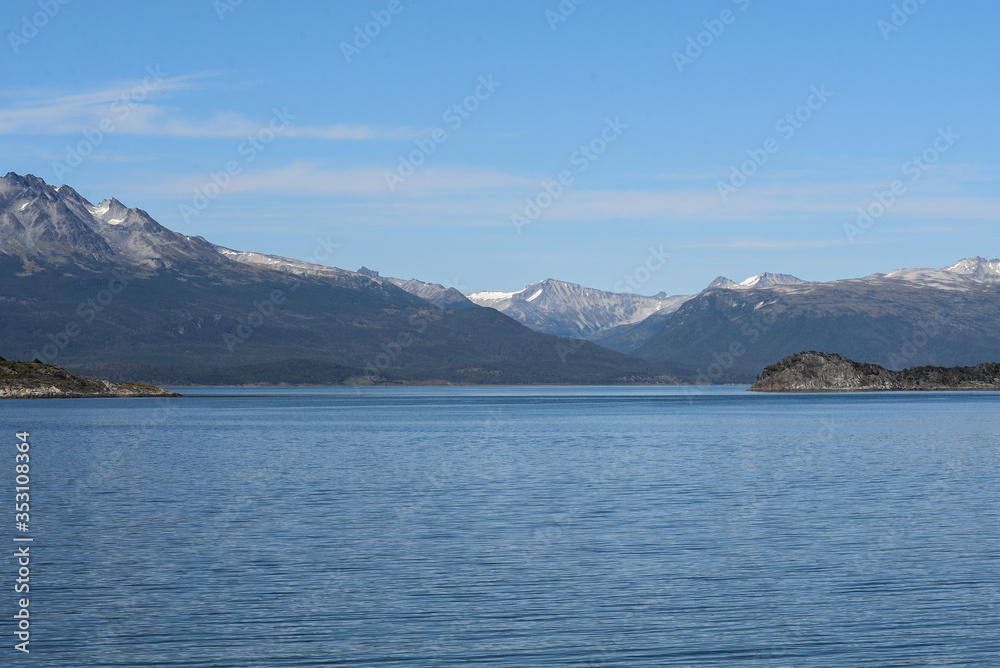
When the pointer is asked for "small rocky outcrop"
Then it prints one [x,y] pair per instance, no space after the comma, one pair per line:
[35,380]
[813,371]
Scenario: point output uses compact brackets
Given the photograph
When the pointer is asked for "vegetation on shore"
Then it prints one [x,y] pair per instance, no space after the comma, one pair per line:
[29,380]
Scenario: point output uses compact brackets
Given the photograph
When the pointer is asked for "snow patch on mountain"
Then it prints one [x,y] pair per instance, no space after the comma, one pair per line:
[721,282]
[289,265]
[977,268]
[487,298]
[568,309]
[765,280]
[957,276]
[42,223]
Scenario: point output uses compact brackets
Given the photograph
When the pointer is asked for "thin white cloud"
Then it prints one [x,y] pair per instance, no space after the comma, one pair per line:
[369,182]
[769,244]
[690,176]
[131,109]
[48,112]
[767,202]
[478,195]
[157,122]
[950,208]
[468,196]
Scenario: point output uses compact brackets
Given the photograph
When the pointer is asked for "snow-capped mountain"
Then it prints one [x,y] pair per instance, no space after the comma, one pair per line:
[977,268]
[908,317]
[765,280]
[940,316]
[108,291]
[568,309]
[42,223]
[968,272]
[722,283]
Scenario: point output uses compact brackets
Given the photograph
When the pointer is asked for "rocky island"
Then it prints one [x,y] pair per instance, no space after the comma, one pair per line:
[35,380]
[813,371]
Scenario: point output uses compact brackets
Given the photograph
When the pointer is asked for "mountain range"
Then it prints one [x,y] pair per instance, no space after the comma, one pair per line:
[730,330]
[909,317]
[567,309]
[615,320]
[106,290]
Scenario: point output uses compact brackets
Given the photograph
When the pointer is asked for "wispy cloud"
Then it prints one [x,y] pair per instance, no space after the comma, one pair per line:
[131,108]
[943,198]
[368,182]
[769,244]
[471,196]
[690,176]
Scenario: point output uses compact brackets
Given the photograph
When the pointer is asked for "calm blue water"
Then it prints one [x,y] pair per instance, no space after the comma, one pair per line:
[511,527]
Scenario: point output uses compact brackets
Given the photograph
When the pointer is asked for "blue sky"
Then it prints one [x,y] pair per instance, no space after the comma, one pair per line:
[252,124]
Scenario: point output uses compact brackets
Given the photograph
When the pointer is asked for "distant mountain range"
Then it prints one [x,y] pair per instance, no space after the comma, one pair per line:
[108,291]
[730,331]
[567,309]
[620,321]
[909,317]
[765,280]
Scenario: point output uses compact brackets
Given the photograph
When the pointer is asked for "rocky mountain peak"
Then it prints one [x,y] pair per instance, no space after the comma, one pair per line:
[42,224]
[767,279]
[977,268]
[567,309]
[721,282]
